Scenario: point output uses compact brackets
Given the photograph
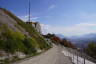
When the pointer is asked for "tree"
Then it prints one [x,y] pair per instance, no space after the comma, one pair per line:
[56,39]
[91,49]
[67,43]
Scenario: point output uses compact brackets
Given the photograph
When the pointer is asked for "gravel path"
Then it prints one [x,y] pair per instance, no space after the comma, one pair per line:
[52,56]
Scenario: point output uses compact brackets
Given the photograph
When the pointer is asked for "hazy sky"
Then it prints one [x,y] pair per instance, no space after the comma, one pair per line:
[67,17]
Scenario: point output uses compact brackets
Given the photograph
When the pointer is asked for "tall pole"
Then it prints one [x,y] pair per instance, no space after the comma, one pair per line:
[1,4]
[29,9]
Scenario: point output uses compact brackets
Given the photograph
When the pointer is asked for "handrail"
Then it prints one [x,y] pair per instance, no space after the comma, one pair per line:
[79,56]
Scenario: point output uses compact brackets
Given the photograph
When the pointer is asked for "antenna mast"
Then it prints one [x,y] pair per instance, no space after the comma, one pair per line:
[29,10]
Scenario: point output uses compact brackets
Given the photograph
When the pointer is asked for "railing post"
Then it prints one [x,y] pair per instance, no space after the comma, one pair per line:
[84,60]
[68,51]
[77,56]
[73,55]
[84,56]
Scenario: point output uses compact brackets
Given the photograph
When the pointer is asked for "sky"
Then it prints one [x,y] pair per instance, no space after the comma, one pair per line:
[66,17]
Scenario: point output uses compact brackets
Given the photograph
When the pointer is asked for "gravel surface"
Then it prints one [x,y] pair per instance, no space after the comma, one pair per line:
[52,56]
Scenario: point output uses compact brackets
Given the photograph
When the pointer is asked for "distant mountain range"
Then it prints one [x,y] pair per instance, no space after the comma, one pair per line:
[82,41]
[60,36]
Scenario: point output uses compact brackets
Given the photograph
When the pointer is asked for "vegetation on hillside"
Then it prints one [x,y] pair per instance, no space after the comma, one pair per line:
[13,41]
[31,31]
[67,43]
[58,40]
[91,49]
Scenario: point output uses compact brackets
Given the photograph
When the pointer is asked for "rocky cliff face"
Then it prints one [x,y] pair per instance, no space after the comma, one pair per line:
[5,18]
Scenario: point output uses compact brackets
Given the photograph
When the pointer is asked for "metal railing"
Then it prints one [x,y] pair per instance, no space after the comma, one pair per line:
[78,57]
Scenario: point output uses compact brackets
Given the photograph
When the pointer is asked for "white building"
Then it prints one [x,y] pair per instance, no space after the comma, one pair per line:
[36,25]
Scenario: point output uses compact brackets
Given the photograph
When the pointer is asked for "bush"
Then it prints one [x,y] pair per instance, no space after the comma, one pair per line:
[29,45]
[91,49]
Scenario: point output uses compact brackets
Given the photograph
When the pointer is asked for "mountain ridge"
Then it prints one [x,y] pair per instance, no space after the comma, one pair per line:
[83,40]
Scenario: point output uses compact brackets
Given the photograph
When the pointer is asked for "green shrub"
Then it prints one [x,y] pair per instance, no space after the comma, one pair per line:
[91,49]
[28,44]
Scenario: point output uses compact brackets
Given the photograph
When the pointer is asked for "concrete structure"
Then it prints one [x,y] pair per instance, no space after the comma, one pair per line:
[36,25]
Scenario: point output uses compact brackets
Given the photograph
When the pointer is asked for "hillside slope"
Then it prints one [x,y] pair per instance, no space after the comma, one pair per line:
[17,36]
